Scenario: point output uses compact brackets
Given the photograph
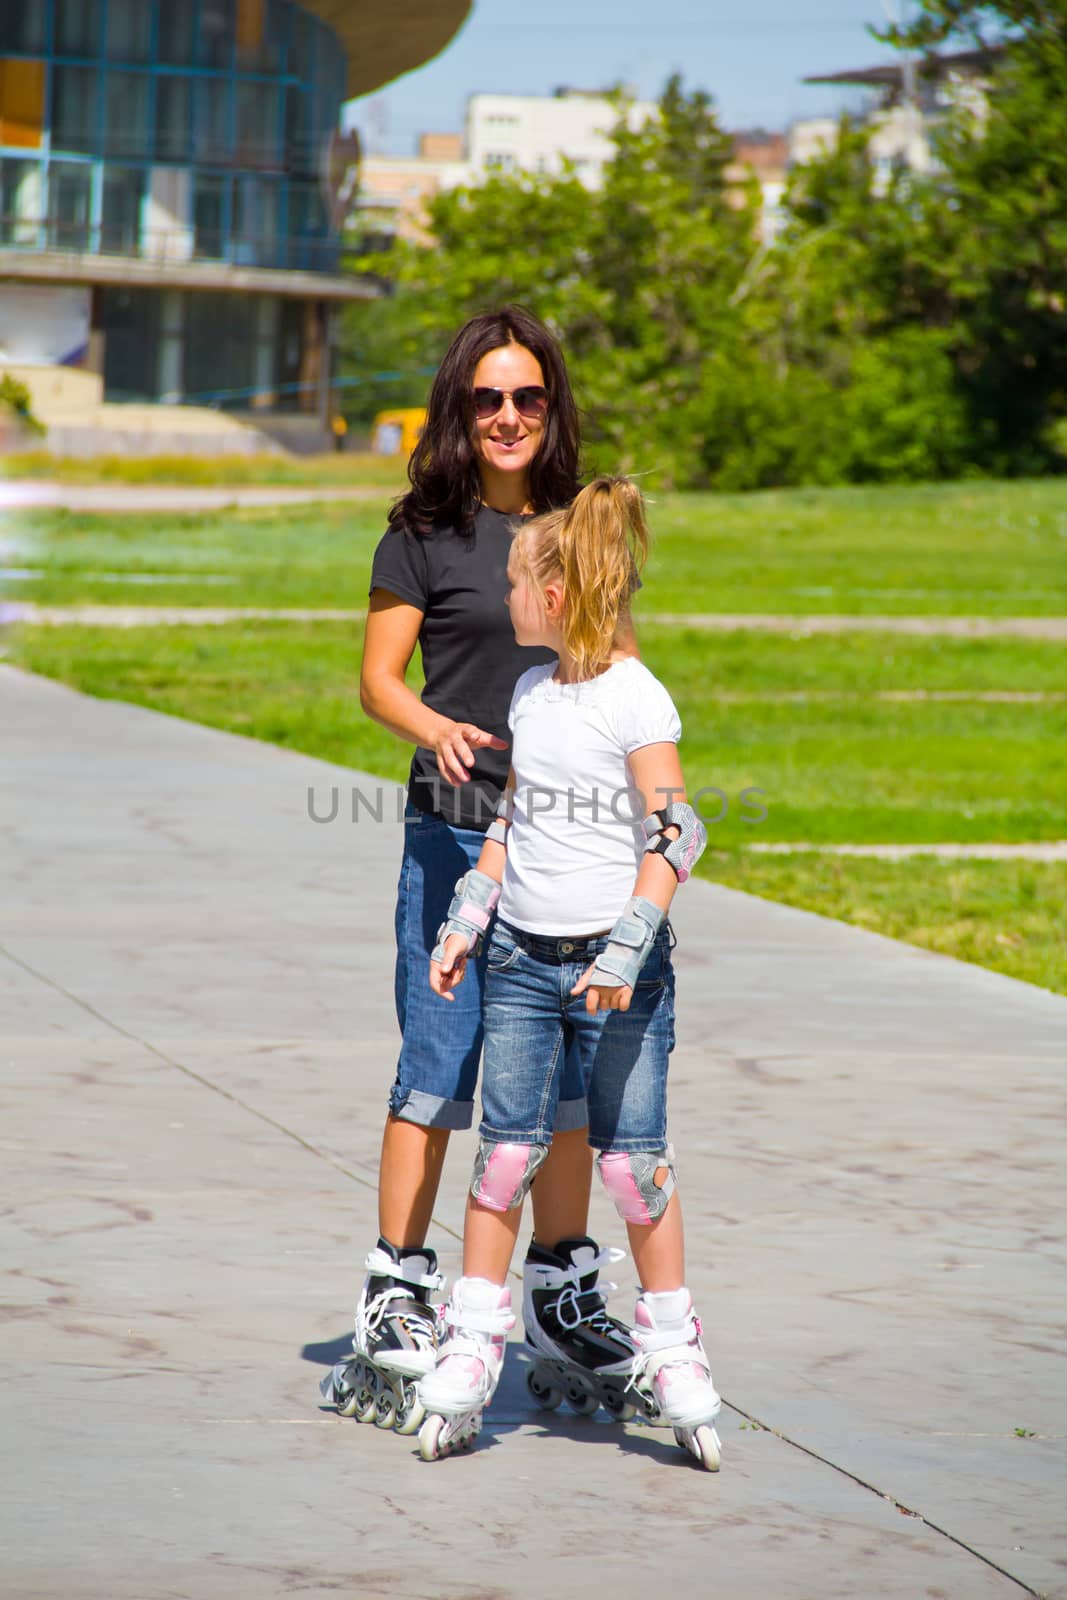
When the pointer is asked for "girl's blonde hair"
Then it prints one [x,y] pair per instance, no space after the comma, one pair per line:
[597,547]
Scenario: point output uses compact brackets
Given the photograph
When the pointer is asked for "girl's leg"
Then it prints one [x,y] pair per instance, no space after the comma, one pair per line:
[489,1241]
[560,1193]
[659,1247]
[409,1177]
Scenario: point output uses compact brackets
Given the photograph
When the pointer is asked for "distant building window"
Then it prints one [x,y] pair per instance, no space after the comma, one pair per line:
[500,161]
[75,99]
[21,26]
[216,33]
[258,133]
[126,114]
[77,27]
[299,138]
[120,217]
[173,119]
[21,207]
[69,205]
[129,30]
[176,18]
[209,216]
[211,122]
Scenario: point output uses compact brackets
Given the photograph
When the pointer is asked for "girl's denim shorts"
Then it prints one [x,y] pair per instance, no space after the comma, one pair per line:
[437,1072]
[534,1025]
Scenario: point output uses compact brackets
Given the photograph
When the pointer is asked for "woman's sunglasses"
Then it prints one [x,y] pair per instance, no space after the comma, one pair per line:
[529,401]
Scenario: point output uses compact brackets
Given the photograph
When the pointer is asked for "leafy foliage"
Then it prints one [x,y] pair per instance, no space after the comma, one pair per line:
[900,327]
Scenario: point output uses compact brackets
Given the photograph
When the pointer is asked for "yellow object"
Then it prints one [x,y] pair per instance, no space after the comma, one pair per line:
[339,426]
[396,433]
[21,103]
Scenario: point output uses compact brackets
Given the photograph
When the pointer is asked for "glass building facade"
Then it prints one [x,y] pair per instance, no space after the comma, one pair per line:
[187,129]
[177,133]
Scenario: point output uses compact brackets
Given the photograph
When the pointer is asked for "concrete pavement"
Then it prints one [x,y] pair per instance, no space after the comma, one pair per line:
[196,1039]
[123,498]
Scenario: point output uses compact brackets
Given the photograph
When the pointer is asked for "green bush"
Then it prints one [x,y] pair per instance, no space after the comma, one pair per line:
[15,395]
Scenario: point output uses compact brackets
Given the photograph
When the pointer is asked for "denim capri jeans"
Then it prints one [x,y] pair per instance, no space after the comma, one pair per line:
[437,1072]
[534,1029]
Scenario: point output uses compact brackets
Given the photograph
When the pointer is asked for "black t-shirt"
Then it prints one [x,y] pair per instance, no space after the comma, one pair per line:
[469,655]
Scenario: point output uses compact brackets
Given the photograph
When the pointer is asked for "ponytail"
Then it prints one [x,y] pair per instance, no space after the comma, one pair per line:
[597,547]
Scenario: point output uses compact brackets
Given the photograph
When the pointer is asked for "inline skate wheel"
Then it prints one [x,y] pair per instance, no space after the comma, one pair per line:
[617,1406]
[385,1409]
[411,1412]
[546,1394]
[703,1443]
[582,1401]
[367,1397]
[429,1436]
[346,1388]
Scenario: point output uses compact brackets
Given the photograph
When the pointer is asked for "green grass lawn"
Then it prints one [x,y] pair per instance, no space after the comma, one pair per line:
[983,549]
[808,721]
[850,769]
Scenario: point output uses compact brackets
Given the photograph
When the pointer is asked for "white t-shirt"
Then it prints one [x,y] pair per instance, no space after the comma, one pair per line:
[575,841]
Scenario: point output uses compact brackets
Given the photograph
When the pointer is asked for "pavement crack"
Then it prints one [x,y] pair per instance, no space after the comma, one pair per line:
[883,1494]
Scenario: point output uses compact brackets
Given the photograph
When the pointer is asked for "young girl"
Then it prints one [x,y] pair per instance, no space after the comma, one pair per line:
[582,870]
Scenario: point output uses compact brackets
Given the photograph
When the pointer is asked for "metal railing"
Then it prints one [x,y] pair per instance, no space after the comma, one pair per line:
[171,246]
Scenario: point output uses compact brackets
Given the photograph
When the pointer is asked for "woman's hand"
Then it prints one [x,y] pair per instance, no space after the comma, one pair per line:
[447,975]
[454,746]
[602,997]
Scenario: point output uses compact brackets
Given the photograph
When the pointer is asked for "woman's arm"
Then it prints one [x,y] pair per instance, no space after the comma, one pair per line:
[392,633]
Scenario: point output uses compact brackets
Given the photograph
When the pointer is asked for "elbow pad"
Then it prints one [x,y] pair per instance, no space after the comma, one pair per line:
[498,828]
[683,853]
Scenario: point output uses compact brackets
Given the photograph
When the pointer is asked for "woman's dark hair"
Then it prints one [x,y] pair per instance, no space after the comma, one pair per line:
[446,485]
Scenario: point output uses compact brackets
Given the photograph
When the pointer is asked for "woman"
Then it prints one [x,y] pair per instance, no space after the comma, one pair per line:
[501,442]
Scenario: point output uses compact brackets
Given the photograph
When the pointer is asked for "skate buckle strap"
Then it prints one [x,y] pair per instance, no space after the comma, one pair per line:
[664,1350]
[381,1265]
[560,1277]
[499,1321]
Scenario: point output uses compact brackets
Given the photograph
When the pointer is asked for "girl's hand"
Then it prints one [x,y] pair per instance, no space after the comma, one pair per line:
[447,975]
[602,997]
[454,748]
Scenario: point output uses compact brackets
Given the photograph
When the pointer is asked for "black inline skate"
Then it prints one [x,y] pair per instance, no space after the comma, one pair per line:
[581,1354]
[395,1342]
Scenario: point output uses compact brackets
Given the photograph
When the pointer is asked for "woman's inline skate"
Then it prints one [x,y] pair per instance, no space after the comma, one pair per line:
[671,1374]
[581,1354]
[395,1342]
[477,1320]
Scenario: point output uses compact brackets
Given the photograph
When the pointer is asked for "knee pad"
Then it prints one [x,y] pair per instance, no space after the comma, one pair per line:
[503,1173]
[629,1176]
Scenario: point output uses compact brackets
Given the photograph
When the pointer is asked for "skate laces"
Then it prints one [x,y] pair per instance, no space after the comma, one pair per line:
[575,1307]
[370,1317]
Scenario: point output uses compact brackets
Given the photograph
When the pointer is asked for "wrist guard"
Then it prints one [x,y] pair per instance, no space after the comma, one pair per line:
[683,853]
[628,945]
[470,913]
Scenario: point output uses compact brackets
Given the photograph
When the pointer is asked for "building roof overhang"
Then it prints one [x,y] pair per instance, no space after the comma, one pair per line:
[126,272]
[891,74]
[382,42]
